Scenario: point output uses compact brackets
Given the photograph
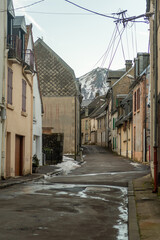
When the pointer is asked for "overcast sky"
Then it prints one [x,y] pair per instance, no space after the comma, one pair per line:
[81,38]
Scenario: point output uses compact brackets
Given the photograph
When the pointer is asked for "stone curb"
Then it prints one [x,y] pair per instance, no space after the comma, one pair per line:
[133,228]
[33,178]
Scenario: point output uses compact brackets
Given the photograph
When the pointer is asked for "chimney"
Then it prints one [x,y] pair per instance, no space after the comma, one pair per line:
[128,64]
[143,61]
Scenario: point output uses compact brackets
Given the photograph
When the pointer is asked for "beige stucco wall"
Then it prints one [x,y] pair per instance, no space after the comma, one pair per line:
[101,132]
[16,123]
[59,114]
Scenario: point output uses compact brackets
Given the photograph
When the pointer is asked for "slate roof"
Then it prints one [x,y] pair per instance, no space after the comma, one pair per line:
[94,107]
[10,8]
[56,77]
[19,22]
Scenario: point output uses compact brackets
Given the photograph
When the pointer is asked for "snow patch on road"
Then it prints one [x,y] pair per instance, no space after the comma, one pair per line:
[68,165]
[135,164]
[121,225]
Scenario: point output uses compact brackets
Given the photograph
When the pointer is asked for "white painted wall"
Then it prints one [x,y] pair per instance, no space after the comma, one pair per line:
[37,114]
[37,122]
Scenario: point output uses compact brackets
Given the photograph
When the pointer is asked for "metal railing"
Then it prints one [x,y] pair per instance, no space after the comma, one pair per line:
[14,44]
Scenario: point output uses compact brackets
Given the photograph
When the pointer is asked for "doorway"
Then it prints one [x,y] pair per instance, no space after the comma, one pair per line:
[19,156]
[8,154]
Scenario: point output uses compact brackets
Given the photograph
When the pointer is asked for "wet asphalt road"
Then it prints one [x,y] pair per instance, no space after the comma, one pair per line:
[89,203]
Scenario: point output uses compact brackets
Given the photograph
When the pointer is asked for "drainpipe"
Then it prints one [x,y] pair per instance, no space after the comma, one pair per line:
[155,100]
[145,120]
[75,140]
[3,113]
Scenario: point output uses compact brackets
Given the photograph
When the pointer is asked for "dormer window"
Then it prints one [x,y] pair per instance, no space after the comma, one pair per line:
[86,112]
[19,29]
[10,17]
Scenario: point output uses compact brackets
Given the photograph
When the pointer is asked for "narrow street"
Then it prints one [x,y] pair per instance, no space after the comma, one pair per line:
[89,203]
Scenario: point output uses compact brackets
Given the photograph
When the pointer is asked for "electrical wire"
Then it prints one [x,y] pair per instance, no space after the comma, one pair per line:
[127,43]
[121,42]
[109,47]
[58,13]
[115,50]
[132,41]
[135,36]
[26,6]
[86,9]
[105,53]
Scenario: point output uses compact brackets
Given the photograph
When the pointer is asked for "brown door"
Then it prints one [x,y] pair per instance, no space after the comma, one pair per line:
[19,156]
[8,154]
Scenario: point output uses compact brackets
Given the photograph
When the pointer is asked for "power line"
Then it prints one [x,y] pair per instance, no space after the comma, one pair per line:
[60,13]
[121,42]
[26,6]
[88,10]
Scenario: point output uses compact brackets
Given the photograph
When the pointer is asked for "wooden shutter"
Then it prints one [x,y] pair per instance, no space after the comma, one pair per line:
[23,95]
[135,102]
[9,86]
[138,98]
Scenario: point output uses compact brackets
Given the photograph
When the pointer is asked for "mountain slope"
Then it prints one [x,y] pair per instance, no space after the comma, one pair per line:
[93,82]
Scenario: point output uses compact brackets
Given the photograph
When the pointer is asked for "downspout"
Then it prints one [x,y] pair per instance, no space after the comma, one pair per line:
[75,140]
[145,121]
[155,100]
[5,53]
[31,88]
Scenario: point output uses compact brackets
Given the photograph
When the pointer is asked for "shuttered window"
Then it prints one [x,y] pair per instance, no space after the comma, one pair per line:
[138,99]
[23,95]
[135,102]
[113,123]
[9,86]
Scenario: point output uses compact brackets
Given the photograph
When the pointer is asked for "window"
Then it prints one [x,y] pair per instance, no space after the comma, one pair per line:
[86,112]
[34,114]
[86,124]
[86,138]
[113,123]
[99,123]
[9,86]
[138,99]
[24,95]
[135,102]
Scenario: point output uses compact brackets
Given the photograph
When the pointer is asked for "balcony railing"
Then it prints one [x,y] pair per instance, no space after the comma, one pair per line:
[29,58]
[14,45]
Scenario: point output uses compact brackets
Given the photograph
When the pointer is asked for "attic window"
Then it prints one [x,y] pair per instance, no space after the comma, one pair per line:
[86,112]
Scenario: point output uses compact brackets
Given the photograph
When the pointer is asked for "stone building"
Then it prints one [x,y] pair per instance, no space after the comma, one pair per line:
[61,97]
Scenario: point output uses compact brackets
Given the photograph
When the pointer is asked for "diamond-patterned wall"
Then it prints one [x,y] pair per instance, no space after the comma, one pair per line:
[56,77]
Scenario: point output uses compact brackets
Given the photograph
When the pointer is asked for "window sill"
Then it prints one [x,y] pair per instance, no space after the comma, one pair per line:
[24,114]
[10,106]
[34,120]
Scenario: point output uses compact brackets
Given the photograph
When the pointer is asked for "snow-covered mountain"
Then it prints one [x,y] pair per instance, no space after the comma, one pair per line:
[93,82]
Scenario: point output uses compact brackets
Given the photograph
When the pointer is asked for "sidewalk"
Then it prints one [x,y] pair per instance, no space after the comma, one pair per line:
[148,208]
[42,171]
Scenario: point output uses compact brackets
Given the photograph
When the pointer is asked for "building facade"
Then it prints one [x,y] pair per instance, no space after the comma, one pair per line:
[19,100]
[60,95]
